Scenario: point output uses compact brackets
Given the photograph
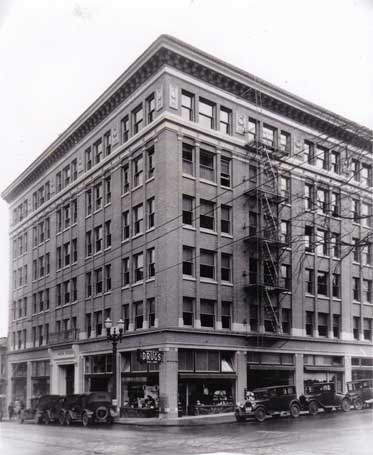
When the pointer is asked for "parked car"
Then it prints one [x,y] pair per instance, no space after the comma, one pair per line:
[323,395]
[269,401]
[360,393]
[89,408]
[47,409]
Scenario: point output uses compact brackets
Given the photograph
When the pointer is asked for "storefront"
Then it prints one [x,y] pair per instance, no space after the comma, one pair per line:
[139,385]
[265,369]
[98,370]
[19,382]
[40,378]
[362,368]
[206,382]
[324,368]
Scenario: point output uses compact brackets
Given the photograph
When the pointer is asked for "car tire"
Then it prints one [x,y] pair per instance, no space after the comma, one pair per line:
[68,419]
[345,405]
[46,419]
[85,419]
[61,419]
[295,410]
[240,418]
[260,414]
[358,404]
[313,408]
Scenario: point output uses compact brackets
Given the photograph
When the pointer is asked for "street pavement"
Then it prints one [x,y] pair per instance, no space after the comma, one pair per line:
[325,434]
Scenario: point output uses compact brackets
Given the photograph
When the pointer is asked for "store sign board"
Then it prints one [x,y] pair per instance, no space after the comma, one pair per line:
[149,356]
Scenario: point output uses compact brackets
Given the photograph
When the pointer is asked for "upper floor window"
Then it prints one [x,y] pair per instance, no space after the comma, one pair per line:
[308,196]
[150,162]
[322,202]
[284,144]
[138,218]
[58,181]
[138,119]
[366,214]
[335,162]
[138,267]
[207,165]
[225,120]
[107,143]
[366,175]
[150,213]
[206,113]
[285,188]
[207,264]
[98,151]
[138,171]
[125,128]
[66,176]
[98,196]
[226,223]
[125,179]
[355,168]
[150,108]
[187,105]
[188,159]
[88,158]
[253,130]
[321,158]
[269,135]
[225,171]
[207,215]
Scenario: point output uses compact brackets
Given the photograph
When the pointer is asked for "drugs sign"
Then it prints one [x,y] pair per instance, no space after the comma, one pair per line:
[149,356]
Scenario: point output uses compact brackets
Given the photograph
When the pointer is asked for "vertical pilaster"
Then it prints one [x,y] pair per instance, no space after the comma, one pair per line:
[299,373]
[348,371]
[241,371]
[28,385]
[168,384]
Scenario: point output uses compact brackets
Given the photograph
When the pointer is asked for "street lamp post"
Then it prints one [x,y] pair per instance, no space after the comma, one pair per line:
[115,335]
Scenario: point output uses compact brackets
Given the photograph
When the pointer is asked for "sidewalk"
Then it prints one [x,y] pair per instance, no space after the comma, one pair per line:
[213,419]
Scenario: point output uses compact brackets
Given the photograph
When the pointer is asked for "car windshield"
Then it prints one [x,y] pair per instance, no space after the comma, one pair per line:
[260,394]
[99,396]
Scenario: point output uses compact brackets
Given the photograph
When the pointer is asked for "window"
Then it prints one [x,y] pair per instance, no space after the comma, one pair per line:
[98,238]
[188,311]
[107,277]
[268,136]
[151,262]
[253,130]
[188,159]
[126,316]
[322,283]
[356,328]
[97,151]
[286,276]
[355,210]
[138,119]
[125,225]
[138,219]
[225,171]
[98,195]
[335,204]
[322,242]
[58,183]
[225,221]
[367,328]
[285,142]
[226,267]
[187,105]
[335,245]
[125,129]
[98,322]
[207,313]
[125,179]
[206,113]
[150,162]
[151,312]
[139,314]
[138,171]
[207,264]
[58,295]
[286,320]
[74,170]
[88,284]
[47,232]
[107,190]
[88,202]
[74,210]
[66,254]
[226,317]
[107,143]
[367,291]
[225,120]
[88,158]
[308,196]
[66,175]
[125,272]
[88,324]
[366,175]
[322,326]
[308,239]
[188,261]
[335,162]
[66,216]
[356,249]
[366,254]
[285,188]
[356,288]
[285,232]
[355,168]
[41,267]
[366,214]
[98,280]
[138,267]
[188,203]
[88,243]
[321,158]
[207,215]
[322,201]
[66,292]
[108,234]
[336,285]
[207,165]
[150,213]
[74,289]
[150,108]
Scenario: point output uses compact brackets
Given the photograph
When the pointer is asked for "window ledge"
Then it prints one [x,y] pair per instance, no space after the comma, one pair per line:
[137,283]
[137,235]
[227,283]
[127,286]
[189,278]
[108,204]
[228,236]
[189,227]
[125,194]
[149,280]
[227,188]
[208,280]
[136,187]
[188,176]
[125,241]
[208,182]
[150,229]
[108,248]
[150,179]
[98,253]
[208,231]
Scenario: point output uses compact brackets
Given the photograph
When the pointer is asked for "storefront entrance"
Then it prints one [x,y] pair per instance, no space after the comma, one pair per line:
[66,379]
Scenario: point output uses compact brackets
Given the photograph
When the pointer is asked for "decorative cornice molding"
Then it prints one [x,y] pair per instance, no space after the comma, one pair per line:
[161,53]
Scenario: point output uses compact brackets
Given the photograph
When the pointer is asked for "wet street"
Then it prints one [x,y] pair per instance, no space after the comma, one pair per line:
[338,433]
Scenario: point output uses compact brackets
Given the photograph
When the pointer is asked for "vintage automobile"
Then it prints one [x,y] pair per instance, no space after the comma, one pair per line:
[360,393]
[323,395]
[88,408]
[270,401]
[47,409]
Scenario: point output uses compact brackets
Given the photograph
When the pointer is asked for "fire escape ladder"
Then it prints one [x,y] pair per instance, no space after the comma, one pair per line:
[271,312]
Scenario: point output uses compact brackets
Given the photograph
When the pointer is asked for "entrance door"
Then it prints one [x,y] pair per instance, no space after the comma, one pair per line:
[70,376]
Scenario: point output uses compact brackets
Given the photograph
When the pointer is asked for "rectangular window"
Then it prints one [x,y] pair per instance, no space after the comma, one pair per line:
[88,158]
[308,239]
[226,267]
[322,325]
[188,261]
[207,264]
[225,120]
[126,316]
[366,254]
[125,272]
[58,182]
[367,291]
[88,243]
[138,119]
[207,215]
[107,143]
[226,314]
[367,329]
[322,242]
[151,312]
[285,188]
[66,292]
[138,267]
[308,196]
[321,158]
[74,210]
[356,328]
[74,289]
[366,175]
[150,213]
[108,234]
[285,142]
[269,136]
[107,190]
[66,216]
[107,271]
[355,210]
[150,108]
[286,320]
[74,170]
[188,311]
[98,238]
[285,232]
[335,162]
[322,283]
[138,171]
[151,262]
[98,322]
[356,288]
[125,129]
[66,175]
[335,204]
[58,294]
[98,281]
[226,223]
[207,113]
[125,179]
[322,202]
[355,168]
[225,171]
[286,276]
[366,214]
[187,105]
[188,214]
[188,159]
[125,225]
[253,130]
[356,250]
[88,324]
[138,219]
[88,284]
[66,254]
[150,162]
[207,165]
[98,195]
[207,313]
[336,285]
[88,202]
[98,151]
[335,245]
[139,314]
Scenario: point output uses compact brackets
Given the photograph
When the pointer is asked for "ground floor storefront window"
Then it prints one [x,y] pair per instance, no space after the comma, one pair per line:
[98,373]
[320,368]
[206,382]
[19,382]
[362,368]
[266,369]
[40,378]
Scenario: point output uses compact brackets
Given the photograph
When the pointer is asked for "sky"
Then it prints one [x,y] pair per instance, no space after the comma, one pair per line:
[58,56]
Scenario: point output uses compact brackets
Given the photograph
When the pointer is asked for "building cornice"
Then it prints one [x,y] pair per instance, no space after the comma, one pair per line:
[169,51]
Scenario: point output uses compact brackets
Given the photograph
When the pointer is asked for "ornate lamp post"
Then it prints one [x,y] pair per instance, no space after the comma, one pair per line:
[115,335]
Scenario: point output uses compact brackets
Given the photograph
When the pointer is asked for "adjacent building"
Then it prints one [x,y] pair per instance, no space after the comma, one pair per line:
[226,221]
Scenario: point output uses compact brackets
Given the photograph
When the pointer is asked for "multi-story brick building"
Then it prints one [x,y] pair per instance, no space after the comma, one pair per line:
[228,222]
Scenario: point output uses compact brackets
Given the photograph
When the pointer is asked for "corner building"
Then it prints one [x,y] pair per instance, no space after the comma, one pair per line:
[226,221]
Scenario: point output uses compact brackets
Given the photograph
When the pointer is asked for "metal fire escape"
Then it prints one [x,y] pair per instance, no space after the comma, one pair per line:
[264,240]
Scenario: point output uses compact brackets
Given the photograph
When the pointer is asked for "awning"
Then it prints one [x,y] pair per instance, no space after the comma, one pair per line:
[206,376]
[272,367]
[329,369]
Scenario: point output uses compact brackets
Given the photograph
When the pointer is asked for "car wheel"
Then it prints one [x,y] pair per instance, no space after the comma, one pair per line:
[313,408]
[295,410]
[260,414]
[61,418]
[85,419]
[240,418]
[358,404]
[68,419]
[46,419]
[345,406]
